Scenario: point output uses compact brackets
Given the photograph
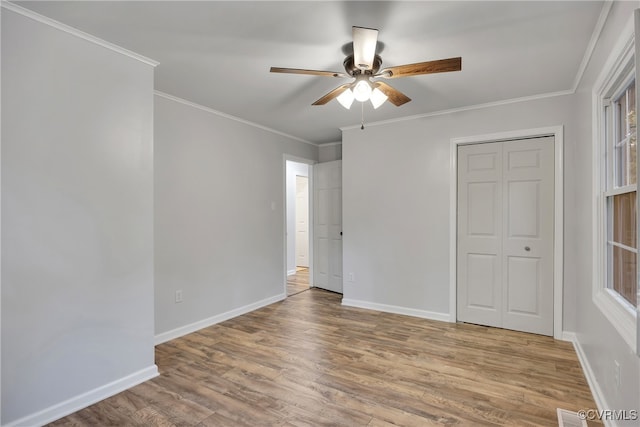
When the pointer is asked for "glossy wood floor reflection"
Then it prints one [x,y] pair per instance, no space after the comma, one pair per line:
[298,282]
[308,361]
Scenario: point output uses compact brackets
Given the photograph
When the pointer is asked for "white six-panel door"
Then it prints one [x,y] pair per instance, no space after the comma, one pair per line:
[327,238]
[505,234]
[479,234]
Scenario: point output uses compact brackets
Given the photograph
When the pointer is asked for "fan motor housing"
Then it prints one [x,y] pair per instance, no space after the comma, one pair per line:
[351,68]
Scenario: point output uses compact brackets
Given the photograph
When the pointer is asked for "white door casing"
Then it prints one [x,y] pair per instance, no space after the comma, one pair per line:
[505,234]
[328,226]
[302,221]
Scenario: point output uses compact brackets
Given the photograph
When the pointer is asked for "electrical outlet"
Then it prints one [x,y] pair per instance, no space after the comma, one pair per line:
[616,373]
[179,296]
[352,277]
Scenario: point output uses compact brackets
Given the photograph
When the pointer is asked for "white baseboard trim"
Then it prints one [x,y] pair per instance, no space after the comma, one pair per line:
[431,315]
[83,400]
[598,396]
[568,336]
[187,329]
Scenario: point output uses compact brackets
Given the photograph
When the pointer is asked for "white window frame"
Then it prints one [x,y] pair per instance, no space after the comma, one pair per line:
[616,75]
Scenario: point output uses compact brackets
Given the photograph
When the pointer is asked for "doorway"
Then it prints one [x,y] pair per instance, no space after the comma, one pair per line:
[298,231]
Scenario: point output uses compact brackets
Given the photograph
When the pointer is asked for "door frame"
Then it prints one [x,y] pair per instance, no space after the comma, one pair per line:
[310,163]
[558,224]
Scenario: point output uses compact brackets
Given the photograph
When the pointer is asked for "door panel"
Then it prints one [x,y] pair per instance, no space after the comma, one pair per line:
[479,234]
[528,231]
[335,279]
[505,234]
[523,294]
[482,273]
[328,226]
[481,201]
[523,208]
[321,263]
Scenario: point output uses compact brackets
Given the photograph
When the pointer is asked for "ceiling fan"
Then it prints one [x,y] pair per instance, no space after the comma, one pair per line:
[364,65]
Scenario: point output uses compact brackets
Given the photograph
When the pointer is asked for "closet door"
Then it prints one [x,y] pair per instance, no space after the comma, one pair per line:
[505,234]
[527,229]
[480,234]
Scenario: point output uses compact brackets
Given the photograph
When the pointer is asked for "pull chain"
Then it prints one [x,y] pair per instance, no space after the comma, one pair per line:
[362,117]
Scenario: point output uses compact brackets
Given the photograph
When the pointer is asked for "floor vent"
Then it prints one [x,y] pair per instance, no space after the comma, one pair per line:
[570,419]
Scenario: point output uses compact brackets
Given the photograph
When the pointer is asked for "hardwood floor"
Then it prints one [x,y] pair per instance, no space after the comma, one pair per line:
[308,361]
[298,282]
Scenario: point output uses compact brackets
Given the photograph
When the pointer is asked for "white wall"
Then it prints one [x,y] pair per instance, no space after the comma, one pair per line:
[330,152]
[77,215]
[598,339]
[396,202]
[293,169]
[219,211]
[396,216]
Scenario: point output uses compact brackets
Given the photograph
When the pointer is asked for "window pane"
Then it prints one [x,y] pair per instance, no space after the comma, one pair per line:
[624,273]
[622,165]
[631,131]
[631,111]
[623,219]
[625,137]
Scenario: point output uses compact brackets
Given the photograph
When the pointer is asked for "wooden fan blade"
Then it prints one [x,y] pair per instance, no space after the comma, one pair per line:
[396,97]
[365,41]
[331,95]
[310,72]
[428,67]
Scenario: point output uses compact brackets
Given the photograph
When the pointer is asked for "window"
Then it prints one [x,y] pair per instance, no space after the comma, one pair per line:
[620,195]
[615,249]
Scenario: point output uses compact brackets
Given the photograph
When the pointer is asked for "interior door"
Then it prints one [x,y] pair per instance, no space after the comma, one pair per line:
[327,249]
[505,234]
[479,234]
[302,221]
[528,235]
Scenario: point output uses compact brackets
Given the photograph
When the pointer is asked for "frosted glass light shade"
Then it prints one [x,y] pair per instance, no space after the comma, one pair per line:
[346,98]
[362,91]
[378,98]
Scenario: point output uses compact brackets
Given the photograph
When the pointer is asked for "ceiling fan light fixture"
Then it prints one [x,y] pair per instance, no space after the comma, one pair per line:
[364,64]
[378,98]
[362,91]
[346,98]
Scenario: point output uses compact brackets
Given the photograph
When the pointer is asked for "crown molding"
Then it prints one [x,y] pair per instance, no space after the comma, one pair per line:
[230,117]
[465,108]
[595,36]
[75,32]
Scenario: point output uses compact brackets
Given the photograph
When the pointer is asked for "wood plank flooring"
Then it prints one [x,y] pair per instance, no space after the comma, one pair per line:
[308,361]
[298,282]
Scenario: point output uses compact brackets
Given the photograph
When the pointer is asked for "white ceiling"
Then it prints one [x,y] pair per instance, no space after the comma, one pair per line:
[218,54]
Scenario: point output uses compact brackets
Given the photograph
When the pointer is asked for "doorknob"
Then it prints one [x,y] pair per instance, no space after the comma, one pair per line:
[341,233]
[527,248]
